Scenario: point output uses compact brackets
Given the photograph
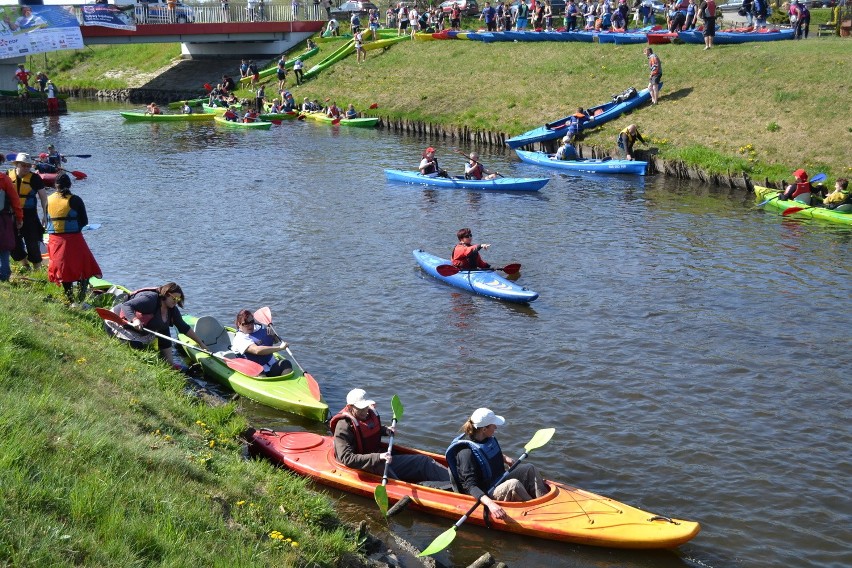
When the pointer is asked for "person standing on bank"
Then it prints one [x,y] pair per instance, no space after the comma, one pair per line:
[30,189]
[466,254]
[476,463]
[707,9]
[70,258]
[11,220]
[656,74]
[358,430]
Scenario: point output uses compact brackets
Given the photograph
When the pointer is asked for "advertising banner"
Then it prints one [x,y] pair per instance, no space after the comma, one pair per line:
[108,16]
[25,30]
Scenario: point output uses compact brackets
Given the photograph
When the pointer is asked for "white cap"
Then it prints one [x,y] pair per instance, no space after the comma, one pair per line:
[482,417]
[358,399]
[24,158]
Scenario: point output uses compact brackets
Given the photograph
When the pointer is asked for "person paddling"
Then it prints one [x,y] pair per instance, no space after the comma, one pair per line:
[566,151]
[473,169]
[429,164]
[466,254]
[255,343]
[842,195]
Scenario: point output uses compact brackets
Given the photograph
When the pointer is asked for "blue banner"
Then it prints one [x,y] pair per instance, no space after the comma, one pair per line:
[108,16]
[25,30]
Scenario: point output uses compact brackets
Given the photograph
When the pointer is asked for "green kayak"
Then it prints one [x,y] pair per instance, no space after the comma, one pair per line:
[142,117]
[192,102]
[290,393]
[213,109]
[833,215]
[257,125]
[368,122]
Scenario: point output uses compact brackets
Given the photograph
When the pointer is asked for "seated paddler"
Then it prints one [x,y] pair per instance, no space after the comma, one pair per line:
[358,432]
[566,151]
[466,254]
[254,342]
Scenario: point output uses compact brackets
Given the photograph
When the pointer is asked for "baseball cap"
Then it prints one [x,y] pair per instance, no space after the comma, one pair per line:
[358,399]
[482,417]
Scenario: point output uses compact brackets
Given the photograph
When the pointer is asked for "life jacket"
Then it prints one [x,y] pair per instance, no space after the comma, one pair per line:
[802,187]
[61,218]
[475,172]
[25,188]
[54,159]
[368,432]
[655,65]
[625,134]
[488,456]
[263,339]
[471,261]
[710,9]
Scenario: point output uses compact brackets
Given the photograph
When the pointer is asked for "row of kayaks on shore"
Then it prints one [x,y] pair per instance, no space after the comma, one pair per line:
[214,114]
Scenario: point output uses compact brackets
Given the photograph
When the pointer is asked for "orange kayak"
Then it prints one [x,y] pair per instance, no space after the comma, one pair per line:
[566,513]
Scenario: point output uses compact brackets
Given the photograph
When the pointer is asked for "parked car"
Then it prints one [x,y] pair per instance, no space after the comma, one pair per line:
[467,7]
[345,10]
[159,13]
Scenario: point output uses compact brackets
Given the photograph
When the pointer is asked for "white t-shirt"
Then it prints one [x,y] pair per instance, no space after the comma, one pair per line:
[242,341]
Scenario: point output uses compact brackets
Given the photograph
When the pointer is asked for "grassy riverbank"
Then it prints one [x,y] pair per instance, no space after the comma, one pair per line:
[760,108]
[106,459]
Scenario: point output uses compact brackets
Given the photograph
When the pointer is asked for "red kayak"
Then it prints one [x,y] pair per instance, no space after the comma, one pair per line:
[50,179]
[565,513]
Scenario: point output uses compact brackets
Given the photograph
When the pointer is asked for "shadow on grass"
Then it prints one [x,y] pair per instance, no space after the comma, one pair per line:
[679,94]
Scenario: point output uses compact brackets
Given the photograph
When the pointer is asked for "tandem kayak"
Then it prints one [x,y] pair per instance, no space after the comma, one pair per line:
[599,115]
[295,392]
[605,166]
[142,117]
[484,282]
[256,125]
[565,513]
[498,184]
[833,215]
[367,122]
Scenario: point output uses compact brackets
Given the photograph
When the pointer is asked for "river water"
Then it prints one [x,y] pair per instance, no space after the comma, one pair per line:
[693,353]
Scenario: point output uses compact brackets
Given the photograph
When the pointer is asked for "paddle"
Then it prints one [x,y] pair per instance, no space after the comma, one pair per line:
[264,316]
[77,155]
[336,120]
[816,179]
[444,540]
[485,171]
[374,105]
[449,269]
[78,175]
[381,492]
[244,366]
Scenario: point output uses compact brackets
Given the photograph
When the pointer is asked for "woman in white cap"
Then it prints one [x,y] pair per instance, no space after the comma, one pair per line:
[357,433]
[566,151]
[31,190]
[477,463]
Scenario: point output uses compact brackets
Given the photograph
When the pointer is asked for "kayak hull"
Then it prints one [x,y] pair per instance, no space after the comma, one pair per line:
[257,125]
[142,117]
[632,167]
[483,282]
[831,215]
[368,122]
[498,184]
[559,128]
[565,513]
[696,37]
[290,393]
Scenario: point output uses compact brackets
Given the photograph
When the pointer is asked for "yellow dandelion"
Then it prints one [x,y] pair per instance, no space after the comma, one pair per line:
[294,544]
[240,503]
[81,360]
[167,438]
[212,443]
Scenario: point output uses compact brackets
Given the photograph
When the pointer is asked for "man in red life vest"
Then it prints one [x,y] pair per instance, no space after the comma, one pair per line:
[358,430]
[801,187]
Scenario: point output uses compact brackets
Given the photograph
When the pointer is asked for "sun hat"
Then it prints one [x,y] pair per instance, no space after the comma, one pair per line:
[483,417]
[800,175]
[23,158]
[358,399]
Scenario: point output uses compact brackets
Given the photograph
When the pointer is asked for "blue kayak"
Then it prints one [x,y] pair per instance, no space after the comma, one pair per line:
[605,166]
[498,184]
[484,282]
[599,115]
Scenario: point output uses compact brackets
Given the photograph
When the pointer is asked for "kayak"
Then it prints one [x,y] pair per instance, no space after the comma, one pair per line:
[498,184]
[623,38]
[279,115]
[367,122]
[696,37]
[142,117]
[213,109]
[385,42]
[605,166]
[661,38]
[484,282]
[288,64]
[290,393]
[565,513]
[257,125]
[192,102]
[335,56]
[599,115]
[833,215]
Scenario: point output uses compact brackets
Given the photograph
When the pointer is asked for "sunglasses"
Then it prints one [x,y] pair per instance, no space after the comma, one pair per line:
[248,322]
[176,297]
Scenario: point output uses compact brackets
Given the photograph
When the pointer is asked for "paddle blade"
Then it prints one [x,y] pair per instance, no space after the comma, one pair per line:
[263,315]
[313,386]
[511,268]
[300,117]
[276,122]
[78,156]
[765,201]
[336,121]
[108,315]
[818,178]
[540,438]
[792,210]
[447,270]
[397,407]
[208,87]
[381,496]
[374,105]
[244,366]
[444,540]
[78,174]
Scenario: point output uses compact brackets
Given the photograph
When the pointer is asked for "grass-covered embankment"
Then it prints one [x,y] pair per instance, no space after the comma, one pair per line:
[106,460]
[760,108]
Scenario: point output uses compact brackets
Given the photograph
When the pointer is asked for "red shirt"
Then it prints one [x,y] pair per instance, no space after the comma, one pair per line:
[466,257]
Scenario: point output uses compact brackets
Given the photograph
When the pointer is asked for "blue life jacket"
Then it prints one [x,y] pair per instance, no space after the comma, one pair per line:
[265,340]
[488,456]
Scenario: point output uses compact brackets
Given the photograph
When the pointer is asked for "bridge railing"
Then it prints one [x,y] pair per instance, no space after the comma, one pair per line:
[225,12]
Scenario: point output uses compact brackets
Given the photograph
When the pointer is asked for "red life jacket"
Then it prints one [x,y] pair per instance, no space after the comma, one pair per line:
[801,188]
[368,433]
[710,10]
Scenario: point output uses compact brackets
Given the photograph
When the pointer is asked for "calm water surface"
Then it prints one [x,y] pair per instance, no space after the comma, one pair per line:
[692,353]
